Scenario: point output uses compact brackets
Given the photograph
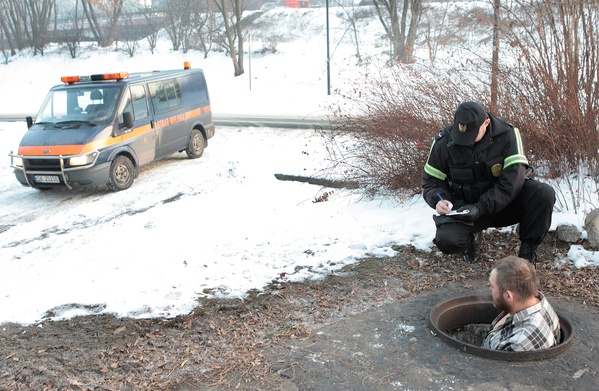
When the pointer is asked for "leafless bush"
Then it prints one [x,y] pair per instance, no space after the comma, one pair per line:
[391,121]
[548,88]
[264,30]
[454,27]
[131,47]
[552,89]
[269,39]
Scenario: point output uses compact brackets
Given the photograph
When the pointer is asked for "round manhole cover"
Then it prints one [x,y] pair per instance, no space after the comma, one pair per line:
[460,312]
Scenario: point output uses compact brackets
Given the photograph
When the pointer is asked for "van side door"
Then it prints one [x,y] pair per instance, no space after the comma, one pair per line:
[142,137]
[172,131]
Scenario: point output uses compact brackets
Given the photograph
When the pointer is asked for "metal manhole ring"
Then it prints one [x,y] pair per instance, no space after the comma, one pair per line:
[466,310]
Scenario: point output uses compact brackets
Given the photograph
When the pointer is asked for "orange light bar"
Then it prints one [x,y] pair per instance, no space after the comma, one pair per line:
[103,76]
[111,76]
[187,65]
[69,79]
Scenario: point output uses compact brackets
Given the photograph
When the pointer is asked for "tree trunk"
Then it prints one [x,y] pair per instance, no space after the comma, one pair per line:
[105,36]
[239,30]
[495,57]
[402,44]
[233,34]
[40,14]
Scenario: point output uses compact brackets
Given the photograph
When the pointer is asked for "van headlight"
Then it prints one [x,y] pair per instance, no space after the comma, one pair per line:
[17,161]
[83,160]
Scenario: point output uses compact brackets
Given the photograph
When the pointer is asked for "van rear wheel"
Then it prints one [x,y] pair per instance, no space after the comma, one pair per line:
[196,145]
[122,174]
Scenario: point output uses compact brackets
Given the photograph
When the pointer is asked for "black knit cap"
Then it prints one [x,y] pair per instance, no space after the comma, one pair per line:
[468,119]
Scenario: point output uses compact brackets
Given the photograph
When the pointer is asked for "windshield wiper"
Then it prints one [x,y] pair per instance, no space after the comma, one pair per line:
[74,122]
[46,124]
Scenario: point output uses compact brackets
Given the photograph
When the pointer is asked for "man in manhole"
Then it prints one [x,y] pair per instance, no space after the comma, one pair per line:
[527,321]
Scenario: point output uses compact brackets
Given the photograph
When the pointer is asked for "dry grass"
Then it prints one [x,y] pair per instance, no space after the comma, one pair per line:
[221,344]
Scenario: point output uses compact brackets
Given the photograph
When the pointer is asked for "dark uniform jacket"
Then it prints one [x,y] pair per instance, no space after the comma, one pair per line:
[489,174]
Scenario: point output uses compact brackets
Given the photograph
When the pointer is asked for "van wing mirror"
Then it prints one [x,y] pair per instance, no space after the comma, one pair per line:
[29,121]
[128,119]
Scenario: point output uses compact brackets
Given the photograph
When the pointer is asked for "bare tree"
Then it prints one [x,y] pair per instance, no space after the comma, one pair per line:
[495,59]
[233,32]
[139,21]
[204,27]
[5,36]
[40,14]
[400,30]
[103,18]
[154,21]
[129,34]
[436,29]
[177,21]
[190,24]
[353,14]
[3,41]
[71,31]
[552,90]
[14,24]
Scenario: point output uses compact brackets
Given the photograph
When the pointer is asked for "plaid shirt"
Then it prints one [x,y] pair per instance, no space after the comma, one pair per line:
[533,328]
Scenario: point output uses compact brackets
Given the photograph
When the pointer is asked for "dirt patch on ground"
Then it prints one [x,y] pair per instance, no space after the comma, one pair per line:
[227,344]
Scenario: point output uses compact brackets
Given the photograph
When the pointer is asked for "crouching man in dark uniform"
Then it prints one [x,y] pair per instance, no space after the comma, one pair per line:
[475,178]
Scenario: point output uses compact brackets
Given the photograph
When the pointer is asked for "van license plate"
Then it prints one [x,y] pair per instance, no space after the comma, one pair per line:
[46,179]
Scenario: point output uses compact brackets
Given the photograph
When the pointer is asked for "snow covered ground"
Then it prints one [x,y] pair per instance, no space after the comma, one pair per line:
[218,225]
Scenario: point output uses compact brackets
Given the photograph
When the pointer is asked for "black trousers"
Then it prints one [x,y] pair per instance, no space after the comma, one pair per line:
[532,209]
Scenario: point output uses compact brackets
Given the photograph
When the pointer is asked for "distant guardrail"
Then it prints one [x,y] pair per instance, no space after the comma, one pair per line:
[14,117]
[292,122]
[273,121]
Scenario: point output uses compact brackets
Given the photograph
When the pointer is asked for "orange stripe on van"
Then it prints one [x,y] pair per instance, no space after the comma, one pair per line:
[100,144]
[197,112]
[56,150]
[194,113]
[138,132]
[175,119]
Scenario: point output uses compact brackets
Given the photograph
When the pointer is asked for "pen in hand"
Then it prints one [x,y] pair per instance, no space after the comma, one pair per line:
[448,204]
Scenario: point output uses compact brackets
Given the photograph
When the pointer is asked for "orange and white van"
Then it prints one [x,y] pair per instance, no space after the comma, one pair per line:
[99,129]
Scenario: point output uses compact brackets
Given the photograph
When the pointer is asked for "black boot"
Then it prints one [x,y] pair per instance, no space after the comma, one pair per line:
[471,255]
[528,251]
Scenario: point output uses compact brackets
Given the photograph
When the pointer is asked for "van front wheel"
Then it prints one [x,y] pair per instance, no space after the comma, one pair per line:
[195,147]
[122,174]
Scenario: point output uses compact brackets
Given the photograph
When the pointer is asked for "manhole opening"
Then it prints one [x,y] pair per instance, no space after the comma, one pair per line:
[463,322]
[473,334]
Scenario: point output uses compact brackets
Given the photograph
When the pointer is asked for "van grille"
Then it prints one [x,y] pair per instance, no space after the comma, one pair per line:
[48,164]
[44,164]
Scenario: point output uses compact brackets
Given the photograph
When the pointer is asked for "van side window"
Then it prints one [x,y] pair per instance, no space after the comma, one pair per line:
[195,88]
[140,106]
[166,95]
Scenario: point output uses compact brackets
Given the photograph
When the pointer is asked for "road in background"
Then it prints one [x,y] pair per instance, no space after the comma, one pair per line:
[236,120]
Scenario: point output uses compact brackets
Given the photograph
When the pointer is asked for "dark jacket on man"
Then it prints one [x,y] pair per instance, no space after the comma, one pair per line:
[489,174]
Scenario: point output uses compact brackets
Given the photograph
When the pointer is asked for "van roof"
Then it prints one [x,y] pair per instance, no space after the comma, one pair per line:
[125,77]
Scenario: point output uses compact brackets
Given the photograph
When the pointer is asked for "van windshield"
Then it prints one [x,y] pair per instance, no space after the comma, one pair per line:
[89,104]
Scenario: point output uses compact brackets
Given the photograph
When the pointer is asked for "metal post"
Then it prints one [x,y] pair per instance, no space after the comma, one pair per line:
[250,60]
[328,53]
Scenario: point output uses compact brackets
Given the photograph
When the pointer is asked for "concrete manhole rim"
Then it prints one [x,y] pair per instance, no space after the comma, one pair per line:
[476,309]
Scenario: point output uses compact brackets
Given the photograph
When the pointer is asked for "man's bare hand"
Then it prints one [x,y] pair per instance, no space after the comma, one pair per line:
[443,207]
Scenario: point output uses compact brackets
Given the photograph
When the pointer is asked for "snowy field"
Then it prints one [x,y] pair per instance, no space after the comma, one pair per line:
[219,225]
